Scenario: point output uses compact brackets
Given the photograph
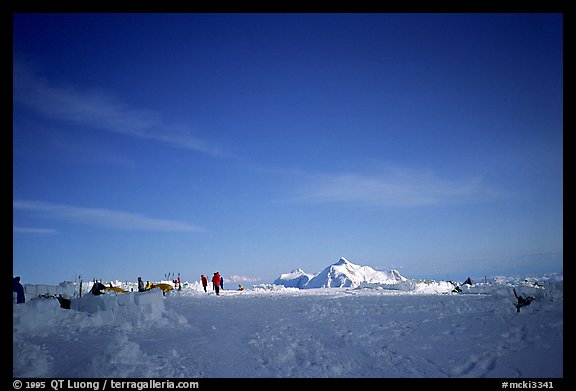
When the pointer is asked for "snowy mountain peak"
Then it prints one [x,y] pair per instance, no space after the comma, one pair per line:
[297,278]
[341,274]
[397,275]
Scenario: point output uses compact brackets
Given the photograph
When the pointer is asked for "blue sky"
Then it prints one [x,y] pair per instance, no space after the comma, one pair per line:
[253,144]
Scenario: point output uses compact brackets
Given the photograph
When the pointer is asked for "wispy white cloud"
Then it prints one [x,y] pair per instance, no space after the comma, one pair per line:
[35,231]
[236,278]
[107,218]
[100,110]
[395,187]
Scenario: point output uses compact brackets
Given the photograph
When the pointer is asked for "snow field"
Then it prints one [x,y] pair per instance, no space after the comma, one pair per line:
[271,332]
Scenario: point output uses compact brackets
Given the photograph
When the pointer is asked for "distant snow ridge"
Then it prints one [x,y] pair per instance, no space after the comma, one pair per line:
[342,274]
[297,278]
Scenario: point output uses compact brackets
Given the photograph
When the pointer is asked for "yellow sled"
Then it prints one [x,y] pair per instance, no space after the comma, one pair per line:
[115,289]
[165,287]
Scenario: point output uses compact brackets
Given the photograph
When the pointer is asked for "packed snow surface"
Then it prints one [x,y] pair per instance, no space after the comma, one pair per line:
[403,330]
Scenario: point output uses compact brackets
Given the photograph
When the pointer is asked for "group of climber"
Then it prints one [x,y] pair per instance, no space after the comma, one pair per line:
[217,283]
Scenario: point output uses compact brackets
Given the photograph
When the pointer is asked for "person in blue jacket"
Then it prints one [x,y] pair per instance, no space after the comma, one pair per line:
[19,289]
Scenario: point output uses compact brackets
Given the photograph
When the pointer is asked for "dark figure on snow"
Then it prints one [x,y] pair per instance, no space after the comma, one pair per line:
[522,301]
[216,283]
[19,289]
[204,282]
[141,286]
[221,282]
[97,288]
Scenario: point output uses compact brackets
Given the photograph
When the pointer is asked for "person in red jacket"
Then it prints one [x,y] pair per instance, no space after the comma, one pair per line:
[216,283]
[204,282]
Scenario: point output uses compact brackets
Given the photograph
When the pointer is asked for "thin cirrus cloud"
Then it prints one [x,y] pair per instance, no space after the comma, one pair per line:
[393,188]
[35,231]
[107,218]
[97,109]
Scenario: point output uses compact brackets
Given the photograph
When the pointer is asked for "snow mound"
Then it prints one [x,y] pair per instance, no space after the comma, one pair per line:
[273,288]
[423,287]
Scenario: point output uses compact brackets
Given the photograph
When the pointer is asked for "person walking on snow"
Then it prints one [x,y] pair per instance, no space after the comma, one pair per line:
[216,283]
[221,282]
[19,289]
[204,282]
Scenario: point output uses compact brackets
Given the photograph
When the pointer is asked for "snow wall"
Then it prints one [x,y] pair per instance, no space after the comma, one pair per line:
[120,308]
